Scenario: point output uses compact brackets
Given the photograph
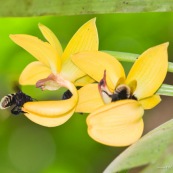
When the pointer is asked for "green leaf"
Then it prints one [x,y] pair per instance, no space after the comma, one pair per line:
[164,164]
[76,7]
[150,149]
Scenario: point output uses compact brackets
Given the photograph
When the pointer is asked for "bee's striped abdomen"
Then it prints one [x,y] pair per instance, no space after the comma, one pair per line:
[7,101]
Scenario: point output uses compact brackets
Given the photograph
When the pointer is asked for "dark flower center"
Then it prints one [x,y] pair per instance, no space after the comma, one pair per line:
[122,92]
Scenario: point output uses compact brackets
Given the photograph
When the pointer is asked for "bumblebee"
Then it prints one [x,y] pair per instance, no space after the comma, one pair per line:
[67,94]
[121,92]
[17,100]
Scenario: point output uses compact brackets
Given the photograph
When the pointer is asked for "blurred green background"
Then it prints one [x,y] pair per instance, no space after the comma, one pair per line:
[26,147]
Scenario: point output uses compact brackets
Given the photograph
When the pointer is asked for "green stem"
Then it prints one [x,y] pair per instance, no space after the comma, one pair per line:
[166,90]
[130,57]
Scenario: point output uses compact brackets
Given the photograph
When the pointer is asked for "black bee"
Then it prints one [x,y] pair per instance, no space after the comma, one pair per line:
[67,94]
[17,100]
[122,92]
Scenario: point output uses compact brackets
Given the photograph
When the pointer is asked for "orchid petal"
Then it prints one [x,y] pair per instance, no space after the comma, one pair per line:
[83,81]
[60,110]
[86,38]
[42,51]
[89,99]
[33,72]
[50,108]
[117,124]
[51,38]
[49,121]
[149,71]
[150,102]
[94,63]
[71,72]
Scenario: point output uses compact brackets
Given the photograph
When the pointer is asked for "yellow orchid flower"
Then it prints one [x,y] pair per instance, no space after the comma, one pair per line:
[53,70]
[117,103]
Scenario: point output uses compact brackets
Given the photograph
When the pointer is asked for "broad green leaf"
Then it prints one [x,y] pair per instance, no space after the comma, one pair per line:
[76,7]
[148,150]
[164,164]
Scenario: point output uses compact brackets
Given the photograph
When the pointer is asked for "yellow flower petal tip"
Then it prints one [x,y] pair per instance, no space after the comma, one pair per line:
[161,47]
[40,25]
[93,20]
[13,36]
[150,102]
[117,124]
[166,44]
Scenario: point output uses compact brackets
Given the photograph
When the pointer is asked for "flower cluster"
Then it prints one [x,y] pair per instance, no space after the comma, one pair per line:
[115,102]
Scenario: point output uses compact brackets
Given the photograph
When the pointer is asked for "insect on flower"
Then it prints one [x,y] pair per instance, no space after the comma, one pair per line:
[54,70]
[121,92]
[17,100]
[117,102]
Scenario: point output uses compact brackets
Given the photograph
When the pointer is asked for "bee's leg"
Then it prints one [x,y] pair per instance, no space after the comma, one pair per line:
[17,110]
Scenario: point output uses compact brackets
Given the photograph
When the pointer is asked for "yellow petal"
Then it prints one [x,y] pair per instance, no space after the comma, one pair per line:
[86,38]
[33,72]
[150,102]
[149,71]
[89,99]
[60,110]
[50,108]
[49,121]
[84,81]
[116,124]
[71,72]
[42,51]
[94,63]
[51,38]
